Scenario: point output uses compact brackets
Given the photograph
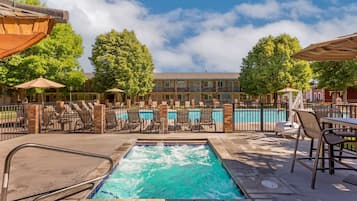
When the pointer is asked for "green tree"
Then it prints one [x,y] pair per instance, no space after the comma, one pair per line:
[268,67]
[54,58]
[121,61]
[336,75]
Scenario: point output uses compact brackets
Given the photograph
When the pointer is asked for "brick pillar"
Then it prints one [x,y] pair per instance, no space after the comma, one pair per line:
[163,118]
[59,106]
[193,103]
[227,118]
[33,115]
[99,118]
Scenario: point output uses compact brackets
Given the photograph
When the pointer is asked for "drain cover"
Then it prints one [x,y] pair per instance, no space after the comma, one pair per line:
[269,184]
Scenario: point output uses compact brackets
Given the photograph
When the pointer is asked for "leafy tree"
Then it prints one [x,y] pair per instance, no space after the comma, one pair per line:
[335,75]
[121,61]
[268,67]
[54,58]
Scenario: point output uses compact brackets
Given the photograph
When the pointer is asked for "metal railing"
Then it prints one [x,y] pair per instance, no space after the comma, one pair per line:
[258,116]
[6,174]
[118,121]
[13,121]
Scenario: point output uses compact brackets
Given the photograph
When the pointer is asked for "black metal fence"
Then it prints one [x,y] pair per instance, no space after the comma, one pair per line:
[148,120]
[75,117]
[258,116]
[13,121]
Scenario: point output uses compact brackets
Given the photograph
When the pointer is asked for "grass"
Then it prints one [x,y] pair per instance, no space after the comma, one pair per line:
[7,115]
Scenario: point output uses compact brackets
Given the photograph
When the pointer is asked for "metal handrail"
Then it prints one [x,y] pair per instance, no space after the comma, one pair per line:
[6,175]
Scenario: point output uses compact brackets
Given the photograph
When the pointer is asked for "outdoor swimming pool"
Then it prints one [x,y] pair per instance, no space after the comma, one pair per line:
[240,115]
[169,172]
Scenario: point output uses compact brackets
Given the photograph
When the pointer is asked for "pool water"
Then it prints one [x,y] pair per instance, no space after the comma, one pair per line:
[169,172]
[240,115]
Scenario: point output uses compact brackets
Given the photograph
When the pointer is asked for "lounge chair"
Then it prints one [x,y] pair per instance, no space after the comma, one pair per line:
[187,104]
[154,104]
[141,104]
[134,120]
[90,106]
[49,117]
[312,129]
[155,123]
[182,120]
[206,119]
[85,121]
[111,121]
[177,104]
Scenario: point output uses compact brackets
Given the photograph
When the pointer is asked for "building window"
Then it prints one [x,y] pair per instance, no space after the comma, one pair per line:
[220,84]
[208,84]
[181,84]
[169,84]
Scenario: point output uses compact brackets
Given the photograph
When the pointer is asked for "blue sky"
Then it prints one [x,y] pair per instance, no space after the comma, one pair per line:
[207,35]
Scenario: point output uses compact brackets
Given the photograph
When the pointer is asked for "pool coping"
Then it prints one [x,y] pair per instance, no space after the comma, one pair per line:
[121,151]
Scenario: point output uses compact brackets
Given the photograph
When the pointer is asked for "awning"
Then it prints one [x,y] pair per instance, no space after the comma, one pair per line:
[21,28]
[338,49]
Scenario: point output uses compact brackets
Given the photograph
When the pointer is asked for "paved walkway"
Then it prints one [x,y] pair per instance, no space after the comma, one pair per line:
[255,158]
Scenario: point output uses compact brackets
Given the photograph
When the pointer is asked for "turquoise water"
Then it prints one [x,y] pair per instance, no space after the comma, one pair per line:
[217,115]
[253,115]
[169,172]
[240,115]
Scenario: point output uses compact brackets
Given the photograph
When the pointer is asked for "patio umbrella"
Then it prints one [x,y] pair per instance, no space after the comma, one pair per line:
[24,25]
[115,91]
[41,82]
[338,49]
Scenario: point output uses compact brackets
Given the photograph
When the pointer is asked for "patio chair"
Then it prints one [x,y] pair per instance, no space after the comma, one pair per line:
[201,104]
[182,120]
[49,117]
[141,104]
[111,121]
[156,121]
[312,129]
[90,106]
[85,121]
[206,119]
[187,104]
[177,104]
[134,120]
[329,111]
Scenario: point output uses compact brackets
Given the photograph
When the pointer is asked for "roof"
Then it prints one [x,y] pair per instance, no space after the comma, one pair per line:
[338,49]
[28,11]
[195,76]
[188,76]
[22,26]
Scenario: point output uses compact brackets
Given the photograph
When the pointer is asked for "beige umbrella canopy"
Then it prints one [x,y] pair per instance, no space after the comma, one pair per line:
[338,49]
[39,83]
[42,83]
[22,26]
[287,89]
[115,90]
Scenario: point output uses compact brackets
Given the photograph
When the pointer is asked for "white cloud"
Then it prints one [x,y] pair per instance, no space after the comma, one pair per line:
[268,9]
[198,40]
[301,8]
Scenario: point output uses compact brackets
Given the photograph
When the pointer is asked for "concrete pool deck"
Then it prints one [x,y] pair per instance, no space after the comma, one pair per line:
[252,158]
